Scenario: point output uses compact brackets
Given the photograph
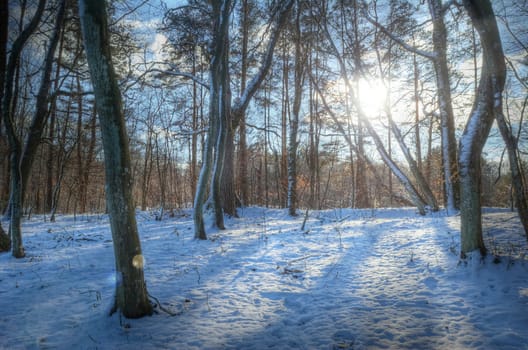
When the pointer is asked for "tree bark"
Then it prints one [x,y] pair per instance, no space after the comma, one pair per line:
[15,196]
[5,241]
[131,296]
[421,182]
[229,200]
[4,31]
[439,59]
[242,146]
[216,100]
[449,152]
[416,198]
[294,121]
[51,129]
[238,108]
[518,184]
[41,114]
[488,102]
[285,112]
[223,119]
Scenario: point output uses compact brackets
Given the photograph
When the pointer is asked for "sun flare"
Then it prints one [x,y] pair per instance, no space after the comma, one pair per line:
[371,94]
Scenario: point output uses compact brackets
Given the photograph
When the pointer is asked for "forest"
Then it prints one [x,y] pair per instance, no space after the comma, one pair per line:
[227,114]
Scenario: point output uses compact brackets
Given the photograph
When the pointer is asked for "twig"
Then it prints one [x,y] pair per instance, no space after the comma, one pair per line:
[300,259]
[305,218]
[162,308]
[198,273]
[95,341]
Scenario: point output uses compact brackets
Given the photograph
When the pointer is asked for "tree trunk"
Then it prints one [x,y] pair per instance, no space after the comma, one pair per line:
[5,241]
[214,134]
[62,157]
[51,129]
[418,143]
[4,34]
[147,169]
[225,130]
[363,120]
[242,146]
[294,121]
[90,155]
[519,186]
[61,167]
[15,197]
[194,136]
[284,128]
[4,171]
[488,102]
[40,116]
[421,182]
[451,185]
[439,59]
[237,110]
[404,180]
[229,194]
[131,291]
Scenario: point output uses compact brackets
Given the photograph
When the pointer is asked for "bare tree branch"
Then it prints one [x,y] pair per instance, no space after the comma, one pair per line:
[242,102]
[181,74]
[399,41]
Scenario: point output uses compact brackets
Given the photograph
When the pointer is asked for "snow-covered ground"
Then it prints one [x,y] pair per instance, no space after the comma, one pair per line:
[352,279]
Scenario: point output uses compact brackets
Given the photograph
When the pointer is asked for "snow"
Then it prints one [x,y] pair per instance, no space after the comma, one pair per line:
[354,279]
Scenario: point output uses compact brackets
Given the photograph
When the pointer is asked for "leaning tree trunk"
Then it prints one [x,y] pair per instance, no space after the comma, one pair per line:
[488,102]
[521,201]
[42,109]
[238,108]
[131,292]
[415,196]
[421,182]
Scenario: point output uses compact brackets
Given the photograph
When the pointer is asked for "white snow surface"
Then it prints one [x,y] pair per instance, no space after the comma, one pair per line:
[353,279]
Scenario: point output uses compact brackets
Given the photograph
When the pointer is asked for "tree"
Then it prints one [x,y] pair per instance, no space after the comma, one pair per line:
[15,145]
[512,141]
[237,110]
[352,95]
[487,104]
[438,57]
[4,30]
[5,241]
[225,117]
[447,118]
[215,134]
[131,296]
[400,24]
[42,109]
[293,142]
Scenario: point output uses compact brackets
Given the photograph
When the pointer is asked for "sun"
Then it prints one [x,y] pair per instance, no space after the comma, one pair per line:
[371,94]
